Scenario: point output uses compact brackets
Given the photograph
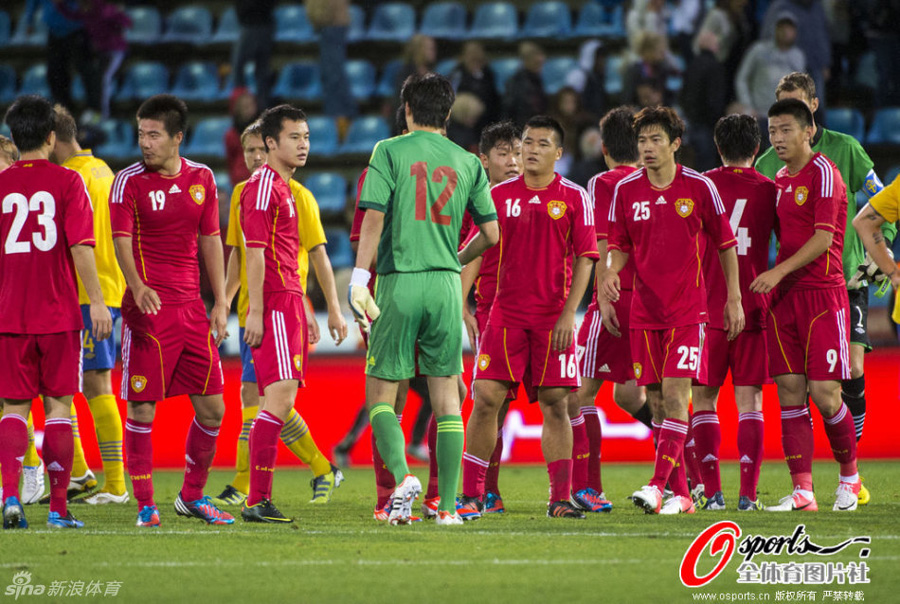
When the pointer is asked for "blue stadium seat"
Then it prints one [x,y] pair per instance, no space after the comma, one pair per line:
[556,70]
[503,70]
[392,22]
[189,24]
[5,28]
[35,81]
[891,175]
[143,80]
[885,127]
[445,66]
[146,25]
[357,29]
[301,80]
[592,21]
[7,84]
[4,130]
[38,35]
[361,75]
[548,20]
[120,139]
[292,24]
[323,136]
[228,29]
[364,133]
[847,120]
[387,84]
[249,78]
[614,80]
[675,82]
[444,20]
[495,20]
[196,81]
[338,248]
[208,137]
[223,186]
[330,191]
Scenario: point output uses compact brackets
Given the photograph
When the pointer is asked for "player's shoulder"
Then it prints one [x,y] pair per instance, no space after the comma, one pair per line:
[126,174]
[197,169]
[574,190]
[631,180]
[832,140]
[697,179]
[509,184]
[300,193]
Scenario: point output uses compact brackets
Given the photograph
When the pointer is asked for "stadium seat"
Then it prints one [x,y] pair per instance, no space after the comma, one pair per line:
[614,80]
[556,71]
[330,191]
[208,137]
[847,120]
[593,21]
[357,30]
[228,30]
[301,80]
[249,78]
[364,133]
[35,81]
[323,136]
[503,70]
[120,139]
[7,84]
[146,25]
[891,175]
[361,75]
[446,66]
[338,248]
[196,81]
[387,84]
[223,186]
[143,80]
[444,20]
[392,22]
[38,34]
[189,24]
[548,20]
[4,130]
[675,82]
[5,28]
[495,20]
[885,127]
[292,24]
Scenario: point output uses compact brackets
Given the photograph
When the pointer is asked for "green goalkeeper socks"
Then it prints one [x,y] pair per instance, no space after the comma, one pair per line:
[451,436]
[389,439]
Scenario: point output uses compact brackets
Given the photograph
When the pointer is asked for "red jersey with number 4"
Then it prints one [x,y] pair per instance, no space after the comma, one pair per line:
[662,228]
[269,220]
[45,211]
[541,232]
[163,216]
[601,188]
[749,200]
[815,198]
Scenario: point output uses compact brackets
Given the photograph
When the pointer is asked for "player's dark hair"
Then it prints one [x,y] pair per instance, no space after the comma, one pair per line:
[794,107]
[617,134]
[254,129]
[8,150]
[165,108]
[272,120]
[797,80]
[400,120]
[31,120]
[65,126]
[498,133]
[737,137]
[545,121]
[429,98]
[664,117]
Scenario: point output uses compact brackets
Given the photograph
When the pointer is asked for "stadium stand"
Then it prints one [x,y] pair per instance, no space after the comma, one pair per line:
[885,127]
[292,24]
[228,30]
[208,137]
[495,20]
[330,191]
[142,80]
[5,28]
[35,80]
[548,20]
[361,75]
[147,25]
[444,20]
[7,84]
[196,81]
[392,22]
[299,81]
[338,248]
[323,136]
[120,140]
[596,20]
[556,70]
[189,25]
[846,120]
[363,133]
[37,36]
[503,70]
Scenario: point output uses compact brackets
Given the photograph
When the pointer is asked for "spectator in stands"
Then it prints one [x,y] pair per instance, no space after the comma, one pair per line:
[567,110]
[884,39]
[645,80]
[257,36]
[703,98]
[465,115]
[645,16]
[332,19]
[589,80]
[591,161]
[728,22]
[419,57]
[525,96]
[474,75]
[243,109]
[685,20]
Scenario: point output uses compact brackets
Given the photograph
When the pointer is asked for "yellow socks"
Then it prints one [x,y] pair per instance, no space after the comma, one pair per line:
[242,464]
[295,434]
[108,425]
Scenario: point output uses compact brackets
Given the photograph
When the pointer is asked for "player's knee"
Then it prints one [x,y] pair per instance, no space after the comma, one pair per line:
[97,383]
[249,394]
[630,399]
[856,364]
[826,396]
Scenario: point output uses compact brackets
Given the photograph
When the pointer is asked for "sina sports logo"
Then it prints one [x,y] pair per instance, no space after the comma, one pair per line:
[198,193]
[298,362]
[556,209]
[638,370]
[21,586]
[484,361]
[801,195]
[138,383]
[684,207]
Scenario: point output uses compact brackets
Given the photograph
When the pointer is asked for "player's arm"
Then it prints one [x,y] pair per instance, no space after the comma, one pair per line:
[214,258]
[233,275]
[337,327]
[83,257]
[361,302]
[814,247]
[564,331]
[145,297]
[607,310]
[467,276]
[868,224]
[734,312]
[256,266]
[488,235]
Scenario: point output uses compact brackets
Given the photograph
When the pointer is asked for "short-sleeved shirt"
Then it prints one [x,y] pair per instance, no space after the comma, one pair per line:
[269,221]
[814,198]
[45,211]
[662,229]
[310,229]
[98,180]
[601,188]
[163,215]
[423,183]
[887,203]
[855,167]
[542,231]
[749,200]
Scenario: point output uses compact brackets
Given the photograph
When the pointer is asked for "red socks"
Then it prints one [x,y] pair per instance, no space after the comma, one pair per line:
[139,458]
[708,438]
[669,452]
[263,449]
[797,442]
[492,477]
[560,472]
[474,472]
[580,453]
[690,458]
[595,437]
[13,445]
[198,452]
[750,449]
[59,447]
[432,490]
[841,433]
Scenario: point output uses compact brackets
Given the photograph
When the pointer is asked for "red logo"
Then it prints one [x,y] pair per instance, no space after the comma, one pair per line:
[721,538]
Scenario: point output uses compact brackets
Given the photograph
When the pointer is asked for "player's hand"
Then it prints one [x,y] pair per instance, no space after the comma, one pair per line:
[609,318]
[471,324]
[563,332]
[147,300]
[218,322]
[337,327]
[253,331]
[767,281]
[734,318]
[101,322]
[610,285]
[361,302]
[312,328]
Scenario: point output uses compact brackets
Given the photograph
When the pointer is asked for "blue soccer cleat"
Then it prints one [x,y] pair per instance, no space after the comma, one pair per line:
[204,509]
[493,503]
[56,520]
[148,516]
[589,500]
[13,514]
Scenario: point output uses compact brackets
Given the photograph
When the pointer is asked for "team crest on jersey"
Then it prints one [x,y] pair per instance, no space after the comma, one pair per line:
[198,193]
[684,207]
[298,362]
[484,361]
[638,370]
[556,209]
[138,383]
[801,195]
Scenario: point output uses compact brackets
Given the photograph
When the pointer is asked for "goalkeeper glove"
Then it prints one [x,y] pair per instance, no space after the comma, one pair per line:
[361,302]
[869,271]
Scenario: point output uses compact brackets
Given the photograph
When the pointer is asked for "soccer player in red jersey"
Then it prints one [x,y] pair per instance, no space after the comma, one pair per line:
[158,207]
[656,217]
[809,319]
[47,230]
[546,232]
[749,200]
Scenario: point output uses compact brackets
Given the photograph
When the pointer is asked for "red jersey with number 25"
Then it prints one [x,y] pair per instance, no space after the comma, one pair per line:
[541,232]
[749,200]
[601,188]
[662,228]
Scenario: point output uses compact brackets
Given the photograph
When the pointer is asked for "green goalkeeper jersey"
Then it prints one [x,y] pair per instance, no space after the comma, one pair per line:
[424,183]
[857,171]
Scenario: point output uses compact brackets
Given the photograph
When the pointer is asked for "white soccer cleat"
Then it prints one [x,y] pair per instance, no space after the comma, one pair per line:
[679,504]
[402,500]
[648,498]
[799,500]
[103,498]
[846,496]
[32,483]
[445,518]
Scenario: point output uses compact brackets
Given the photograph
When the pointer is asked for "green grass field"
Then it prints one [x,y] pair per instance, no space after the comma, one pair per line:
[337,553]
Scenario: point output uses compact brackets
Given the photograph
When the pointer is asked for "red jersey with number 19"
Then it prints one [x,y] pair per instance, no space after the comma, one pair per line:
[661,228]
[45,211]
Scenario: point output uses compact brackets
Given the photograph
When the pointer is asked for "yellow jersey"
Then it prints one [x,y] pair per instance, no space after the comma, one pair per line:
[887,203]
[311,235]
[98,180]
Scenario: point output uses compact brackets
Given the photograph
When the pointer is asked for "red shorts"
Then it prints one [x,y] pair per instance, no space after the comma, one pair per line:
[808,333]
[482,316]
[512,354]
[604,356]
[48,364]
[168,354]
[678,352]
[745,357]
[283,352]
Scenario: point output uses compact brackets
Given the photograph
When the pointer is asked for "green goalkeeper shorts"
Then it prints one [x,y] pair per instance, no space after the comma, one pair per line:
[417,309]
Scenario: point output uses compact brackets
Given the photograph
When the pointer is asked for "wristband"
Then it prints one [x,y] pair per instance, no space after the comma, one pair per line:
[360,277]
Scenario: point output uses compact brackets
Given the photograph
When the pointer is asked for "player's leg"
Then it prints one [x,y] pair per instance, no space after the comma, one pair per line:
[298,438]
[416,449]
[581,410]
[707,438]
[341,451]
[853,390]
[556,445]
[444,391]
[384,479]
[139,457]
[796,441]
[32,470]
[748,400]
[108,425]
[676,392]
[13,443]
[481,441]
[841,435]
[58,452]
[493,502]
